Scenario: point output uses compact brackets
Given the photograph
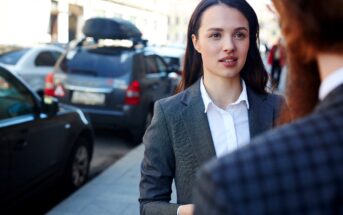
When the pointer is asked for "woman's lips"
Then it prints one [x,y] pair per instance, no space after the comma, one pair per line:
[229,61]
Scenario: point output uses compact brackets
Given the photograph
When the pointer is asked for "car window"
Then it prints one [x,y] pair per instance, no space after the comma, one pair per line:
[151,66]
[56,55]
[12,57]
[15,99]
[162,67]
[99,62]
[46,58]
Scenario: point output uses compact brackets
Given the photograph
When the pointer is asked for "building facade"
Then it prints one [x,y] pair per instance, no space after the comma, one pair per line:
[26,22]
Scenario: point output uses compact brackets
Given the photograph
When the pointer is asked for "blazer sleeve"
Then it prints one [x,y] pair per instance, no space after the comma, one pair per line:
[157,167]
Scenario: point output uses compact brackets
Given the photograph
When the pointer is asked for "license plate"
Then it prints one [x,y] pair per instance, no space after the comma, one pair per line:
[88,98]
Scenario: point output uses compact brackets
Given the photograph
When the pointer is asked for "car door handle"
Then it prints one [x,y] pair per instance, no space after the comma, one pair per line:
[20,140]
[20,144]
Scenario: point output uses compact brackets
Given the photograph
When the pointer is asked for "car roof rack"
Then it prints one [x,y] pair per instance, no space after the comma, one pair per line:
[111,28]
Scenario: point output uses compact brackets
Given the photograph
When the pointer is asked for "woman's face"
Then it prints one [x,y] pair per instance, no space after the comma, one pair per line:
[222,41]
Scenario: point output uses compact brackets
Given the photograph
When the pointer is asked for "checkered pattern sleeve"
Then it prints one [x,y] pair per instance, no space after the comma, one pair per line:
[206,186]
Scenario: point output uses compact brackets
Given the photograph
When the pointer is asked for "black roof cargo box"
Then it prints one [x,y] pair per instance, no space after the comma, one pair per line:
[111,28]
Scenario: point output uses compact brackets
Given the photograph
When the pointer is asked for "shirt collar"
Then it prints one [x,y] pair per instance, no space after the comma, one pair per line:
[205,97]
[243,97]
[330,83]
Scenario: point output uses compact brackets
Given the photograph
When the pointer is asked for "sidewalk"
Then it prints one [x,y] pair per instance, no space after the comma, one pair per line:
[115,191]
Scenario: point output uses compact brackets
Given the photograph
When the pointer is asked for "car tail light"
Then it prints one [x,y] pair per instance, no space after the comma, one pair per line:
[49,89]
[133,93]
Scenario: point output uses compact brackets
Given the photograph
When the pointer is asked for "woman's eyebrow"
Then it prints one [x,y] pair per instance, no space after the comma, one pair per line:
[215,29]
[221,29]
[241,28]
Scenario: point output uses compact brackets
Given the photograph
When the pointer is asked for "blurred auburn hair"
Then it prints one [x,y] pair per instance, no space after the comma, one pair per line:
[309,27]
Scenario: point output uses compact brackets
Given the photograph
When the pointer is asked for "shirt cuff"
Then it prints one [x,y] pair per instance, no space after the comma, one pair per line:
[178,210]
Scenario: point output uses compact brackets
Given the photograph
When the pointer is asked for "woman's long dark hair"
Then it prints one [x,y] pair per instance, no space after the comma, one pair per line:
[253,72]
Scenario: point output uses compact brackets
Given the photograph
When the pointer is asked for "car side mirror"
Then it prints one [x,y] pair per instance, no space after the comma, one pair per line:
[173,71]
[50,105]
[40,92]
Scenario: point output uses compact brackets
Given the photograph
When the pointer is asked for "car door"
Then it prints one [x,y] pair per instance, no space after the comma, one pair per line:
[34,141]
[170,84]
[4,148]
[156,81]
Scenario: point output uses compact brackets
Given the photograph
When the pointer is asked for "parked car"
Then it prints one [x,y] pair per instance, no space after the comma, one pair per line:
[115,82]
[173,55]
[33,63]
[42,143]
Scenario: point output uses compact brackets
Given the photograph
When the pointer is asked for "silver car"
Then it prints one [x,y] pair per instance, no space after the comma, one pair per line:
[32,63]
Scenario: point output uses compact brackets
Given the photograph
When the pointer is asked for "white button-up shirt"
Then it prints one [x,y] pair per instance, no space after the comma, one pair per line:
[229,127]
[330,83]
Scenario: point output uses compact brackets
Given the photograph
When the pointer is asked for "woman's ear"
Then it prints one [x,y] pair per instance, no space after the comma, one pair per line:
[195,43]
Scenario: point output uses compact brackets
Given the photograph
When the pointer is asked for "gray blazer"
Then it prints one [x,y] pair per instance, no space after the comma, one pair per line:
[179,141]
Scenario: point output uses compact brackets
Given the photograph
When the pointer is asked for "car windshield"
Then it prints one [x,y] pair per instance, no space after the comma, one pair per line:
[100,61]
[12,57]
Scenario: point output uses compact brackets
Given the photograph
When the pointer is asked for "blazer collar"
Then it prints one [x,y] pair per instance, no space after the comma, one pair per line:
[260,115]
[197,125]
[260,112]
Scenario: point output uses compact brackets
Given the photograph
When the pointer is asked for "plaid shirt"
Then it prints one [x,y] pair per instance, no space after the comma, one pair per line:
[296,169]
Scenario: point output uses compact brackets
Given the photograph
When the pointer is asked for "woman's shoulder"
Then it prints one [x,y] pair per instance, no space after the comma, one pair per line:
[275,98]
[172,103]
[267,97]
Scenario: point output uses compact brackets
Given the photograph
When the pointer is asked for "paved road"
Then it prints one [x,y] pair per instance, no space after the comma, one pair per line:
[109,147]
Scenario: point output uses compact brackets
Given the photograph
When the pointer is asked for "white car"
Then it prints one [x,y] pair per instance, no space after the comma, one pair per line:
[32,64]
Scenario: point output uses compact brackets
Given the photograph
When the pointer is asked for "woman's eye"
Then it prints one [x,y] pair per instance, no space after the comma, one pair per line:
[215,35]
[240,35]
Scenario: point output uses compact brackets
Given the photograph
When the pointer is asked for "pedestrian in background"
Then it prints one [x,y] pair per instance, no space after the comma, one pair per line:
[297,168]
[277,59]
[222,104]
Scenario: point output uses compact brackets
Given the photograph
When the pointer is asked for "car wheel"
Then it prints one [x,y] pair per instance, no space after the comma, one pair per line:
[78,167]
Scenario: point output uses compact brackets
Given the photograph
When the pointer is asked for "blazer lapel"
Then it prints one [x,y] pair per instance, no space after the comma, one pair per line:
[196,124]
[197,127]
[260,113]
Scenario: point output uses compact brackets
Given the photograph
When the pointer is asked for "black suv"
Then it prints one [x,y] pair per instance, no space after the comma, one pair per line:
[112,76]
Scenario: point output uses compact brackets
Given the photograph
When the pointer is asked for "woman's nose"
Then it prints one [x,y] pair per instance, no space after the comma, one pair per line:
[228,45]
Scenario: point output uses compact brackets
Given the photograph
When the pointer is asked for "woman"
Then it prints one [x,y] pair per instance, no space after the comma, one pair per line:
[222,105]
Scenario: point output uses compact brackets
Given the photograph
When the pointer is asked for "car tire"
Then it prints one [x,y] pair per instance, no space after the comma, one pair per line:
[77,170]
[137,134]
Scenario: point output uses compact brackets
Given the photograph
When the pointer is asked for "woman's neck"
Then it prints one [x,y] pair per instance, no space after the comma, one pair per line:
[329,63]
[223,91]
